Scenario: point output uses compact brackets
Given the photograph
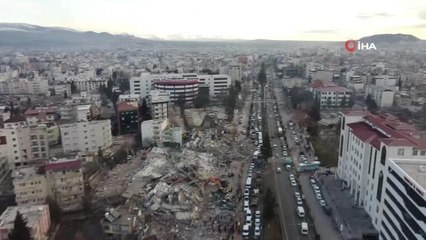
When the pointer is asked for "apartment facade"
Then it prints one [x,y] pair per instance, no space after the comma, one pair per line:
[158,103]
[86,137]
[65,180]
[26,145]
[329,95]
[218,84]
[128,117]
[384,96]
[383,164]
[30,186]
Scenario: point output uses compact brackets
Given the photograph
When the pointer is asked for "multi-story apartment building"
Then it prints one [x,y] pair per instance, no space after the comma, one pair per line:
[178,89]
[65,181]
[89,85]
[4,166]
[86,137]
[161,132]
[384,96]
[158,103]
[36,216]
[41,114]
[218,84]
[128,117]
[26,145]
[383,163]
[30,186]
[329,95]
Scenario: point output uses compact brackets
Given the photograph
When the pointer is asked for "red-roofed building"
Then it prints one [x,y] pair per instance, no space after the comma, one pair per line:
[382,163]
[65,177]
[41,114]
[128,117]
[329,95]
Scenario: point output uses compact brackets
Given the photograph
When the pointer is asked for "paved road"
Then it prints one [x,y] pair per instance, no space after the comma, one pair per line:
[285,198]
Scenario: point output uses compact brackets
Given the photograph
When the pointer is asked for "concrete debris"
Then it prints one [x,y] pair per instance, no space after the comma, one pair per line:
[191,193]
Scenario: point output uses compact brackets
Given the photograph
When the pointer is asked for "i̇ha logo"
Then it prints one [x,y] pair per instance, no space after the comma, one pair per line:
[352,45]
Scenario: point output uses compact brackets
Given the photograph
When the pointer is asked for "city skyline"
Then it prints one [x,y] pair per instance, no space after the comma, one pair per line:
[328,20]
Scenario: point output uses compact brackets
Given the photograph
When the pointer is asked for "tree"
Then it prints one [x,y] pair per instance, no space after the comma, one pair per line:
[20,229]
[269,203]
[73,88]
[399,84]
[266,146]
[145,111]
[238,86]
[202,99]
[230,101]
[343,102]
[314,113]
[261,77]
[65,94]
[351,101]
[54,209]
[328,102]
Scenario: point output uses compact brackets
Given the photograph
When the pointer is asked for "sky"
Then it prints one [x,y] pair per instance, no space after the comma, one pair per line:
[326,20]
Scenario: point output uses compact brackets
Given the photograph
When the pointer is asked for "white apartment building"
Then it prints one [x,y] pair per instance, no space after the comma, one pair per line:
[322,75]
[86,137]
[4,166]
[65,178]
[218,84]
[385,81]
[158,103]
[161,132]
[89,85]
[135,98]
[24,86]
[383,95]
[383,163]
[235,72]
[26,145]
[30,186]
[329,94]
[145,82]
[83,112]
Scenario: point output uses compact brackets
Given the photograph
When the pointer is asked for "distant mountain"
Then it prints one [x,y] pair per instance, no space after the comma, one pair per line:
[390,38]
[19,35]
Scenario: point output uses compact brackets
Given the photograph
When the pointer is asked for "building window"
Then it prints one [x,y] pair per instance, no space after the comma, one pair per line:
[379,186]
[423,153]
[401,152]
[383,156]
[415,152]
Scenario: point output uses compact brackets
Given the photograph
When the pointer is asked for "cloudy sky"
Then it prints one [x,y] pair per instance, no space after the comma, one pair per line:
[228,19]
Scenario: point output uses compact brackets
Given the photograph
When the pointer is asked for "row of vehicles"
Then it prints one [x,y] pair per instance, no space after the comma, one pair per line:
[287,164]
[253,221]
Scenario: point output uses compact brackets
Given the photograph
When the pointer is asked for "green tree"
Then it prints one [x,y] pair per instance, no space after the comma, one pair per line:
[266,147]
[202,99]
[328,102]
[351,101]
[343,102]
[230,101]
[269,203]
[20,229]
[238,86]
[65,94]
[314,113]
[73,88]
[54,209]
[371,104]
[261,77]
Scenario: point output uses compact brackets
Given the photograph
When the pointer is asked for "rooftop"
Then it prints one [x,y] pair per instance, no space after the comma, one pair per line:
[320,85]
[25,173]
[125,106]
[41,110]
[176,82]
[30,213]
[416,169]
[62,164]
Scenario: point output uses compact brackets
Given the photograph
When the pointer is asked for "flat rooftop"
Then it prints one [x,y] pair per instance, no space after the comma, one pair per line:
[30,213]
[416,169]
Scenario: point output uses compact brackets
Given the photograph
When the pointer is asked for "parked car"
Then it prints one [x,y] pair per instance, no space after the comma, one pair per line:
[318,196]
[322,203]
[293,183]
[299,201]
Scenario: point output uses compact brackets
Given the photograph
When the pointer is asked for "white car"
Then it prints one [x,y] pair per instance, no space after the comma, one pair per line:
[297,194]
[285,154]
[291,176]
[246,192]
[257,222]
[299,201]
[313,181]
[278,170]
[322,202]
[257,232]
[275,145]
[318,196]
[257,214]
[293,183]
